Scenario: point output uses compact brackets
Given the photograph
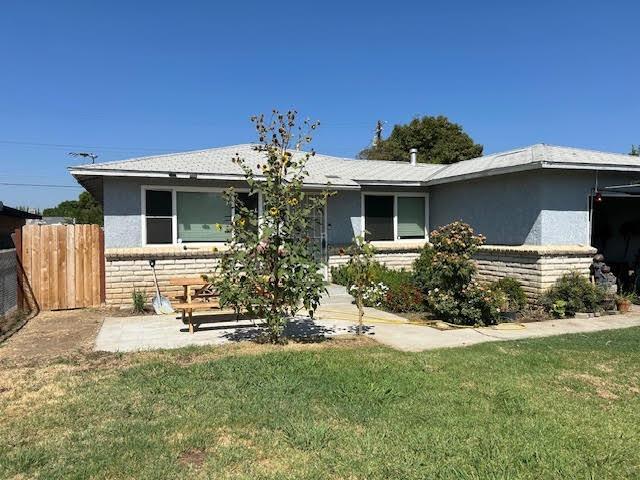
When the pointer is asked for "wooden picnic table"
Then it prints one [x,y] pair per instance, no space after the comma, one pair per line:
[205,298]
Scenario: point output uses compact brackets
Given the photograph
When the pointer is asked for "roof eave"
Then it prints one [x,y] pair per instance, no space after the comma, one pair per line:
[591,166]
[485,173]
[79,173]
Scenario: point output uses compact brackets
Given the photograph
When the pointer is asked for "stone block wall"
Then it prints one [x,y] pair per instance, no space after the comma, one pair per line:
[397,261]
[128,269]
[535,267]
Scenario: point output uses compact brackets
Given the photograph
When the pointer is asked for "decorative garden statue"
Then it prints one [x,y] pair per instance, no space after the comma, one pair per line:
[602,276]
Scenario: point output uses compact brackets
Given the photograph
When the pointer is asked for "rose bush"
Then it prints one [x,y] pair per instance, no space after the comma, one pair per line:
[448,283]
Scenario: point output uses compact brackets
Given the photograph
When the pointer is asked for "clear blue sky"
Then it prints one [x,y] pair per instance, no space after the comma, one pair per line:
[151,76]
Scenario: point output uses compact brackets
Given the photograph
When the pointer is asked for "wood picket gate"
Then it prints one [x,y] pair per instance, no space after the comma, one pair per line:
[62,266]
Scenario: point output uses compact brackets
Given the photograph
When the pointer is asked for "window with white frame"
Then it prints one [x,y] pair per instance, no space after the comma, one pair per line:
[197,216]
[395,216]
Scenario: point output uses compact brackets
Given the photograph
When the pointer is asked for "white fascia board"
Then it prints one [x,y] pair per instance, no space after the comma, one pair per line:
[199,176]
[485,173]
[383,183]
[592,166]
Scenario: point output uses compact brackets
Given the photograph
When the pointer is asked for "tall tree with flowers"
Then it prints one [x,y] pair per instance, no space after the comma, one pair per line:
[271,266]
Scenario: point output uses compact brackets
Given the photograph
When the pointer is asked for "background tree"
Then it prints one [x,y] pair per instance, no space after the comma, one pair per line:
[437,139]
[635,150]
[84,210]
[271,267]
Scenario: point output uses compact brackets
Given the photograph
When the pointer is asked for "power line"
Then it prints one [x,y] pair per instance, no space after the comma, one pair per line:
[73,145]
[47,185]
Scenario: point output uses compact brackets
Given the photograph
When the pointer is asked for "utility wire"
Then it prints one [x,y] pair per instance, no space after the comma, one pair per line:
[71,145]
[47,185]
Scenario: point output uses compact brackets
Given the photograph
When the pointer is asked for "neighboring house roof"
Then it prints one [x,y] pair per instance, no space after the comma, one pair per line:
[53,221]
[7,211]
[346,173]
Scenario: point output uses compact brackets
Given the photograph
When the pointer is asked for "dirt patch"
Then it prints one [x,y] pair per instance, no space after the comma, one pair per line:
[602,387]
[194,457]
[54,334]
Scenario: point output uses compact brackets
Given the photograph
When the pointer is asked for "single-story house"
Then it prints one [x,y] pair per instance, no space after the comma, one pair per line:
[544,210]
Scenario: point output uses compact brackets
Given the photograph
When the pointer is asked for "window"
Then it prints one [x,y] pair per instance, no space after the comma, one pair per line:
[250,202]
[394,216]
[159,216]
[202,217]
[195,216]
[410,217]
[378,217]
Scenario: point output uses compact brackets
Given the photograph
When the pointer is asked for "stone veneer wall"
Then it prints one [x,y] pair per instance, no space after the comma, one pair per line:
[396,258]
[535,267]
[128,269]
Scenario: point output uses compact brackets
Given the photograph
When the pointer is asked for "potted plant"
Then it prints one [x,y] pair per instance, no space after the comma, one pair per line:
[624,301]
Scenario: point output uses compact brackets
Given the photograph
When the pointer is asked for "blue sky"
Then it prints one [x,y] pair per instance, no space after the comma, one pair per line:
[125,79]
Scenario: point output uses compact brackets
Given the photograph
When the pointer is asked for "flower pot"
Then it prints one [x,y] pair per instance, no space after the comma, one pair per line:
[623,306]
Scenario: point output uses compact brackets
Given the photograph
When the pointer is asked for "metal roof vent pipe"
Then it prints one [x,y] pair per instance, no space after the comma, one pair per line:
[414,156]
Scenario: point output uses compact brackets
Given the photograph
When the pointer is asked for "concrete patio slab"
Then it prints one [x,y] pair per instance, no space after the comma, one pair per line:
[336,316]
[166,331]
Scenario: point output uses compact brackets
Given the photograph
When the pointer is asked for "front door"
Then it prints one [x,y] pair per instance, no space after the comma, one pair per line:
[318,234]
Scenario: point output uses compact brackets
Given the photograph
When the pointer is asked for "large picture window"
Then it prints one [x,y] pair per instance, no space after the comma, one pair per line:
[395,217]
[198,216]
[202,217]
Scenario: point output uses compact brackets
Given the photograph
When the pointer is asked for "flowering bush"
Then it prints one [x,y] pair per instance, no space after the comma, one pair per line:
[372,294]
[451,291]
[404,298]
[400,294]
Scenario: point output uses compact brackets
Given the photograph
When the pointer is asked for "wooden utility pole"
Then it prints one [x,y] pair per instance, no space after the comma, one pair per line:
[377,137]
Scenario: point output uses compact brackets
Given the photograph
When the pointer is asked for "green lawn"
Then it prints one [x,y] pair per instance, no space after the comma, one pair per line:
[563,407]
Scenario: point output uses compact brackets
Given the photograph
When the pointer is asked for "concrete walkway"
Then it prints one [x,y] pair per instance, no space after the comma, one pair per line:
[337,316]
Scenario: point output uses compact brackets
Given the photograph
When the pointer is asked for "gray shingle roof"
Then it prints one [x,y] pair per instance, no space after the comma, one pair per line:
[535,156]
[346,172]
[322,169]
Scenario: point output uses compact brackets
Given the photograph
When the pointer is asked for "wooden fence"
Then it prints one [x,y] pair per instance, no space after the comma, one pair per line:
[62,265]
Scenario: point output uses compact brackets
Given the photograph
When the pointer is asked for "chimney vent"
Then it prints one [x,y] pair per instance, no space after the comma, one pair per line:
[414,156]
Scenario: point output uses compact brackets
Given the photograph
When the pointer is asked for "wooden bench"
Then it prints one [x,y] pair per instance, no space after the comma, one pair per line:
[188,308]
[186,301]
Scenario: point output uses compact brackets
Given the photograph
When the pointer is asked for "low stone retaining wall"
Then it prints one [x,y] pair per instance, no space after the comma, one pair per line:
[128,269]
[393,257]
[535,267]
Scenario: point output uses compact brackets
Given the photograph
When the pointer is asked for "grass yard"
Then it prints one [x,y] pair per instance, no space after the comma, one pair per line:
[561,407]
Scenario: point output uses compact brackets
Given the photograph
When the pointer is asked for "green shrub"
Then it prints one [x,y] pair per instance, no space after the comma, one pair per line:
[404,298]
[422,267]
[577,293]
[515,296]
[393,290]
[342,275]
[139,299]
[450,289]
